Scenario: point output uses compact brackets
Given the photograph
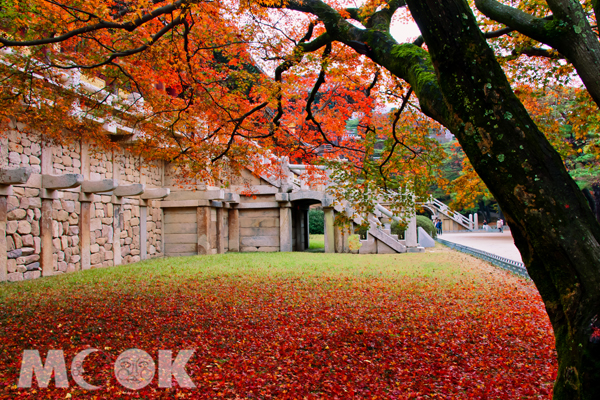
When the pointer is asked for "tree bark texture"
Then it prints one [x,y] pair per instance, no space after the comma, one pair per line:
[552,224]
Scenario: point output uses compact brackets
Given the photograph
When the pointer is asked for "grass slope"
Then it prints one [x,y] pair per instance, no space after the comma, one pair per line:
[292,325]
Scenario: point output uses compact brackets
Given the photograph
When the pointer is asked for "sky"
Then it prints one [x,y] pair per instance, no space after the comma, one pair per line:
[401,31]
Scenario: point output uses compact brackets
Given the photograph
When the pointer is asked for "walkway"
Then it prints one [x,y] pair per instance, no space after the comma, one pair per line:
[501,244]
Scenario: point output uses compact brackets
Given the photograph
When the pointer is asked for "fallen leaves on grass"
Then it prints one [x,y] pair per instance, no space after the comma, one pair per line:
[296,336]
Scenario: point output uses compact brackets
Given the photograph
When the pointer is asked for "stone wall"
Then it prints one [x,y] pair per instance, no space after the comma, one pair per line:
[85,208]
[24,207]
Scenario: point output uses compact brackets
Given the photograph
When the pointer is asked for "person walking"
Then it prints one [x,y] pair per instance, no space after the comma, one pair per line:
[500,225]
[438,226]
[485,225]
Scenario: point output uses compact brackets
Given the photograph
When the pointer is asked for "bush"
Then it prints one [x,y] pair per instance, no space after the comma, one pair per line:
[398,229]
[427,224]
[422,221]
[361,231]
[316,222]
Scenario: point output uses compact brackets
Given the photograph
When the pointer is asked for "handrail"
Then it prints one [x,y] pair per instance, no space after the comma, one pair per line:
[456,216]
[499,261]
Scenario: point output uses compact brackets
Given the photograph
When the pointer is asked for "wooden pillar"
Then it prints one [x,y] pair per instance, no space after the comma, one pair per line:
[203,217]
[285,227]
[3,252]
[220,232]
[233,221]
[329,230]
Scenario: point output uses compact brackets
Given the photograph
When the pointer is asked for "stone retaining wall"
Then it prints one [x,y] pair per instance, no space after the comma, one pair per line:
[24,207]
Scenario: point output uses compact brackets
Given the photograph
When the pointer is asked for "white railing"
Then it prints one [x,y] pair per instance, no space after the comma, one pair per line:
[454,215]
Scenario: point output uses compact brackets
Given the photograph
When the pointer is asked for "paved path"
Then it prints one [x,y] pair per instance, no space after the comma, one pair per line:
[501,244]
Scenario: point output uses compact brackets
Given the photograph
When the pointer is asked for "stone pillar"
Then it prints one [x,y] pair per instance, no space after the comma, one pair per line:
[3,255]
[143,229]
[85,217]
[341,238]
[220,231]
[338,236]
[203,217]
[234,229]
[117,225]
[285,227]
[346,232]
[85,161]
[329,230]
[84,231]
[476,221]
[47,250]
[411,232]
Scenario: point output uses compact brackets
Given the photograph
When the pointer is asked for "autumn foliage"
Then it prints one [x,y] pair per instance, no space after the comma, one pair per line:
[341,326]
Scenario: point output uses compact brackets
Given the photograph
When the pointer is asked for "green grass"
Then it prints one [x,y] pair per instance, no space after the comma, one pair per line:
[441,265]
[316,242]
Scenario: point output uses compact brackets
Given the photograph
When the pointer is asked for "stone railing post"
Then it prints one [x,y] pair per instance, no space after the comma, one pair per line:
[411,232]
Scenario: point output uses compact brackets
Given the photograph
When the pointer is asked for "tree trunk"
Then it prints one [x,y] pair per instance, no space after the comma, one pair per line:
[590,199]
[596,189]
[552,224]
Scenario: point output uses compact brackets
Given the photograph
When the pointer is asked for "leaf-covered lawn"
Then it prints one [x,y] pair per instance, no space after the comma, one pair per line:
[297,325]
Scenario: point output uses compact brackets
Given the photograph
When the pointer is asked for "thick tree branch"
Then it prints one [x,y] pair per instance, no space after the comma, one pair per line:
[513,18]
[568,31]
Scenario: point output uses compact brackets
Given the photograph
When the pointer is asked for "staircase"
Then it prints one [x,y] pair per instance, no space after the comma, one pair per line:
[378,241]
[456,221]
